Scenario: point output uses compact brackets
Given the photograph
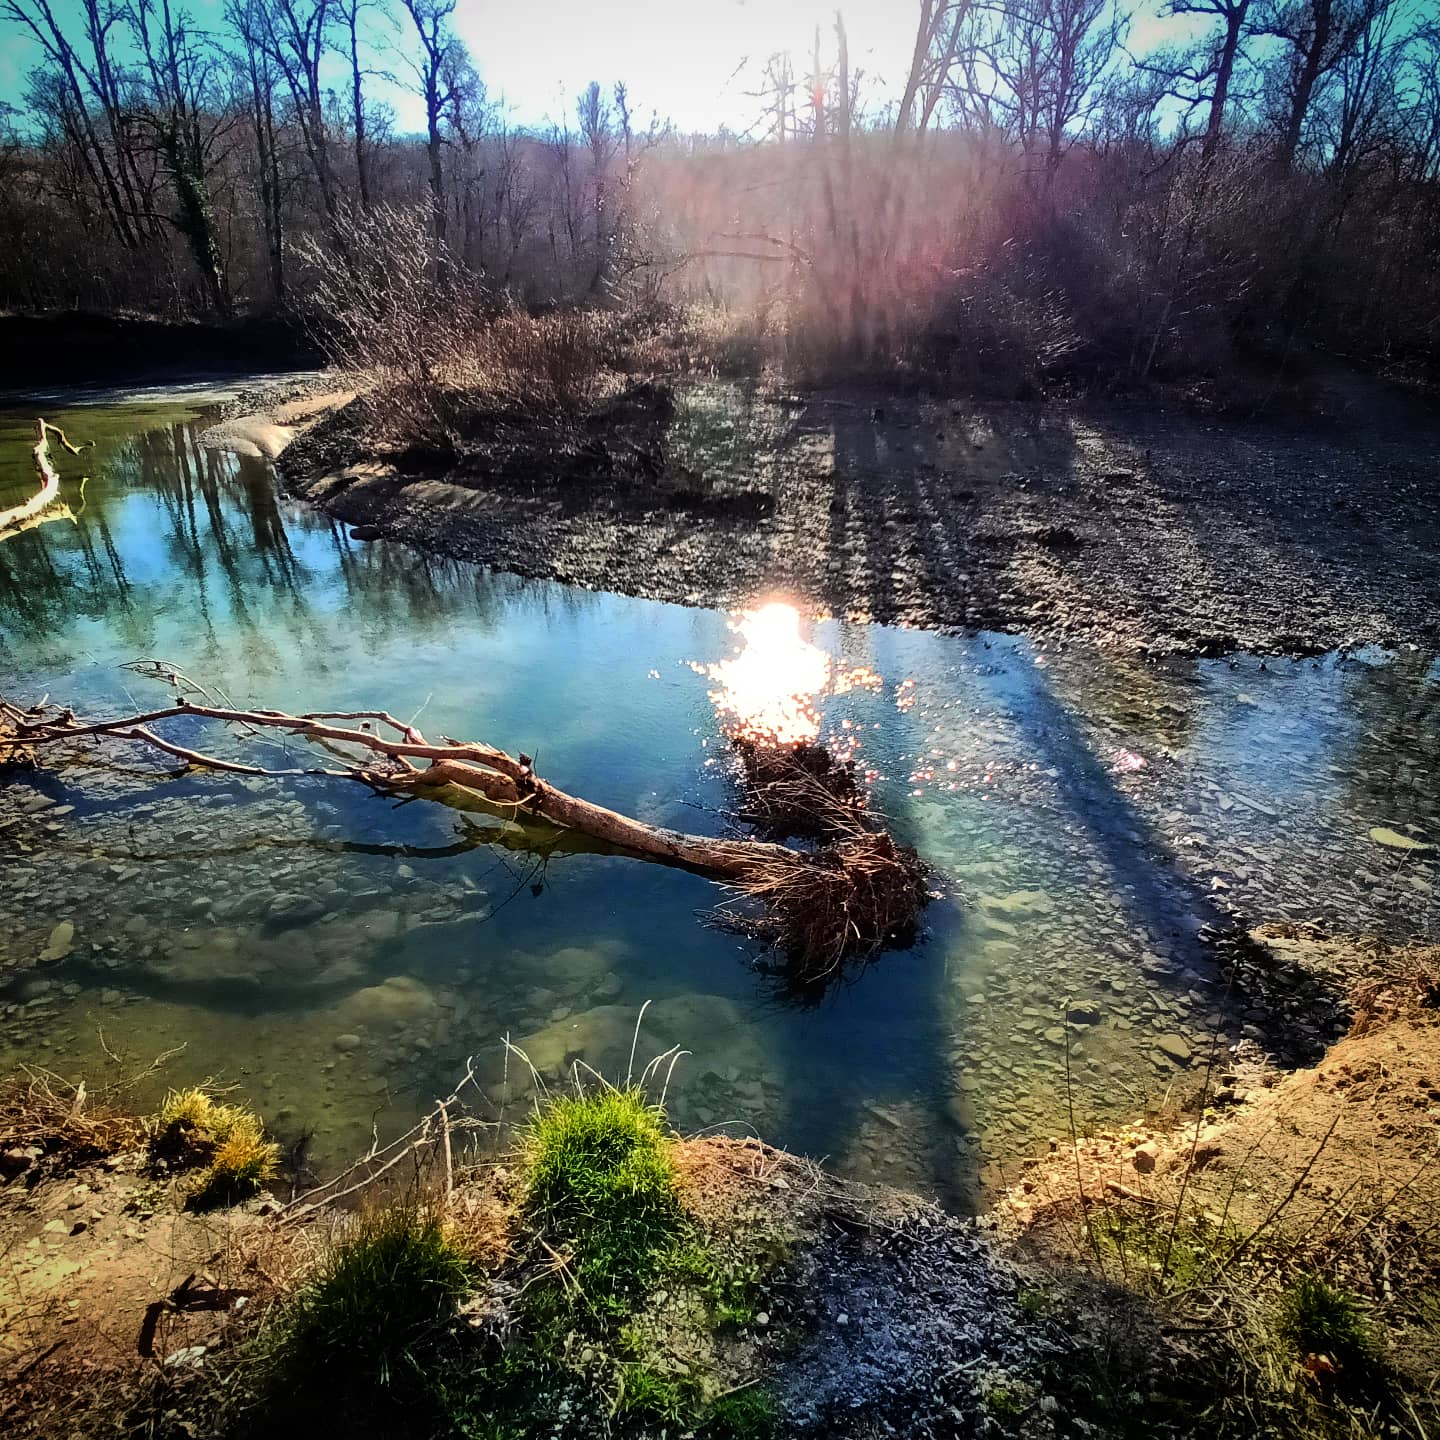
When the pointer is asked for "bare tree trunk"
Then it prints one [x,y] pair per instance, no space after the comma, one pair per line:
[351,13]
[1234,16]
[506,783]
[1305,82]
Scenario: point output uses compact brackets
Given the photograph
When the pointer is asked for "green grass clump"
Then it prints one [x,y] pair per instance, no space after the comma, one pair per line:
[360,1333]
[750,1414]
[645,1394]
[224,1144]
[599,1184]
[1318,1318]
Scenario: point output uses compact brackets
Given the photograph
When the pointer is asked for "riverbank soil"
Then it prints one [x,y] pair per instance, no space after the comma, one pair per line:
[1150,530]
[1132,1283]
[858,1311]
[1318,1181]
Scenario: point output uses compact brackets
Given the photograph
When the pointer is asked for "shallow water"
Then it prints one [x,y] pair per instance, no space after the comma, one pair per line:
[337,956]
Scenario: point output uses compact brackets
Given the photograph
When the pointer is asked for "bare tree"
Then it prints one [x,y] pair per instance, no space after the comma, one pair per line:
[79,83]
[295,35]
[181,102]
[349,13]
[1052,55]
[259,79]
[1208,75]
[1318,35]
[433,68]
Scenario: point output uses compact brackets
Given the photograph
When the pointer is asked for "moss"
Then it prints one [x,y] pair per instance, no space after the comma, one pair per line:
[224,1145]
[599,1185]
[1149,1248]
[728,1283]
[1008,1401]
[511,1398]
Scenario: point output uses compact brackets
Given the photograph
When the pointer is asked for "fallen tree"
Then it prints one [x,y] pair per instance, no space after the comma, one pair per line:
[847,898]
[20,515]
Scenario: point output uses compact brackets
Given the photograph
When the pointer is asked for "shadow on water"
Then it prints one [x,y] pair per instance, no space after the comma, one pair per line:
[909,1070]
[1163,898]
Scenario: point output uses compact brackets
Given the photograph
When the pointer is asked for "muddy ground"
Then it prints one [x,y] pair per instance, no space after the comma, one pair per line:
[1138,529]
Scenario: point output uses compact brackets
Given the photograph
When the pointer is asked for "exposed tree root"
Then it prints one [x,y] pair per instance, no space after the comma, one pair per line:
[800,789]
[860,894]
[851,897]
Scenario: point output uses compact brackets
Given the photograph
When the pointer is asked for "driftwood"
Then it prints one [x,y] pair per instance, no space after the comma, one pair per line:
[21,515]
[375,749]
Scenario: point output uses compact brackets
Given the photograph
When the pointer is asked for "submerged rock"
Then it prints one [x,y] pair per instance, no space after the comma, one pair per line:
[399,1002]
[1175,1047]
[60,943]
[711,1027]
[1019,902]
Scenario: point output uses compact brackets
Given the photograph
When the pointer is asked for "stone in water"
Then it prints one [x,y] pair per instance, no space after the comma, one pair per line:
[1394,840]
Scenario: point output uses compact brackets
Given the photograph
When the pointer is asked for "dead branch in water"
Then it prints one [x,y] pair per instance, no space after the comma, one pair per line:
[19,515]
[846,899]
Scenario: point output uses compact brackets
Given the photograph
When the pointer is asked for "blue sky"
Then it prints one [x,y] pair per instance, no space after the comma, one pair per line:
[684,60]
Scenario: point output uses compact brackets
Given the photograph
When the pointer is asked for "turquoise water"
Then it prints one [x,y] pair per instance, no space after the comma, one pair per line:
[337,956]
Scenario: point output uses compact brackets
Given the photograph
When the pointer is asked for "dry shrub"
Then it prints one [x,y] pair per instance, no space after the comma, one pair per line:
[435,351]
[46,1123]
[555,365]
[706,338]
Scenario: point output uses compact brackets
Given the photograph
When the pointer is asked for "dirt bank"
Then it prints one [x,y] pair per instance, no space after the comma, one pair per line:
[1157,531]
[1288,1232]
[1133,1283]
[269,430]
[866,1312]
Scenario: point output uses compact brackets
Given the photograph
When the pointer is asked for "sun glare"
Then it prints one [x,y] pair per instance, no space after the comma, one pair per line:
[768,690]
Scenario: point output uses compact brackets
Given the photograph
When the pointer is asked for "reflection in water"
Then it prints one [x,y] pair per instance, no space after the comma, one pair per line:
[337,957]
[768,691]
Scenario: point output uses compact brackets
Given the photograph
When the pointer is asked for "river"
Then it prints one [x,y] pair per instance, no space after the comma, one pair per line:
[335,956]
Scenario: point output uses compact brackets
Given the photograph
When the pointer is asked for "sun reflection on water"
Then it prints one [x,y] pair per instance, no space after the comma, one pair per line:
[769,690]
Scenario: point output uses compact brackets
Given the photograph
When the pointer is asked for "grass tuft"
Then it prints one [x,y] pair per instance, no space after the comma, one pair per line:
[1323,1320]
[646,1394]
[360,1328]
[224,1144]
[599,1185]
[749,1414]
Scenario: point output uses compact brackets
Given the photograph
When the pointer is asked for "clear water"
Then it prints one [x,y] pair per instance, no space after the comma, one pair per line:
[337,956]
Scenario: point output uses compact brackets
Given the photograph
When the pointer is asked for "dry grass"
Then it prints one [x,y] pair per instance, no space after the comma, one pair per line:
[63,1124]
[223,1145]
[1410,984]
